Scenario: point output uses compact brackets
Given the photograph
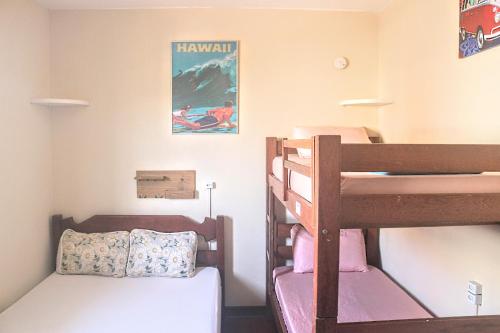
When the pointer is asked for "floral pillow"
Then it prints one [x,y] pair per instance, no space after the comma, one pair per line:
[93,254]
[159,254]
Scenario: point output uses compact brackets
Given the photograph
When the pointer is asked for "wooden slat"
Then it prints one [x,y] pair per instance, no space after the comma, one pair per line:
[298,143]
[409,158]
[284,252]
[277,187]
[300,168]
[284,230]
[299,207]
[419,210]
[326,205]
[270,263]
[481,324]
[160,223]
[286,184]
[271,239]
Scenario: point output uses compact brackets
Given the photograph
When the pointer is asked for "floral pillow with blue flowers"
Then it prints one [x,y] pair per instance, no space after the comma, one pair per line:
[162,254]
[102,254]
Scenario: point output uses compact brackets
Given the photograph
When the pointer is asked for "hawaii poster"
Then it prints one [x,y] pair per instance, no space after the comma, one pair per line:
[205,87]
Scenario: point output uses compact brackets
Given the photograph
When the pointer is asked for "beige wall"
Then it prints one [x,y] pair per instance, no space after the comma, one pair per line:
[438,99]
[25,148]
[120,61]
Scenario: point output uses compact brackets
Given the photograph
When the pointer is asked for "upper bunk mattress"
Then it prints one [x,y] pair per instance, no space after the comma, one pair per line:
[377,183]
[83,304]
[363,297]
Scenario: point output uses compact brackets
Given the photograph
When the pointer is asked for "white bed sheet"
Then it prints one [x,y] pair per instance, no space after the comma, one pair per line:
[354,183]
[92,304]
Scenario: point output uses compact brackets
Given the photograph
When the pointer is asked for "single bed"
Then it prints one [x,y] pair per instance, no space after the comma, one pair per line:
[85,303]
[379,183]
[82,304]
[363,297]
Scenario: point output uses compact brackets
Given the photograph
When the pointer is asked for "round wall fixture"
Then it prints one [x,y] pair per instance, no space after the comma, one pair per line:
[341,63]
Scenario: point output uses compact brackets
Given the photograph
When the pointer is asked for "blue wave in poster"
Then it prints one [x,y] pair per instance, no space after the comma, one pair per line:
[207,85]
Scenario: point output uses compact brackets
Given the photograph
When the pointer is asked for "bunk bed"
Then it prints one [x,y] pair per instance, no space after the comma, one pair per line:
[333,190]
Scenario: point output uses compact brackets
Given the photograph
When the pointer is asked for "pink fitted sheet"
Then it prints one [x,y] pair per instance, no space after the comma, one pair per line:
[363,297]
[371,183]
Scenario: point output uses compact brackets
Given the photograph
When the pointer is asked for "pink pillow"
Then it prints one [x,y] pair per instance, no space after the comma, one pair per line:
[352,250]
[303,250]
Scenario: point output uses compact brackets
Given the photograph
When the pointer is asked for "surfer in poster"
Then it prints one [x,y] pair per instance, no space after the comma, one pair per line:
[205,87]
[223,115]
[219,117]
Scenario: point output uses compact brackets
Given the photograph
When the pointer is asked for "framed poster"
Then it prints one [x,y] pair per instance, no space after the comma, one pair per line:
[205,87]
[479,26]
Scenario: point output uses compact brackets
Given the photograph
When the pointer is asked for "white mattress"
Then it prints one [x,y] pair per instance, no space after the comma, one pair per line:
[92,304]
[370,183]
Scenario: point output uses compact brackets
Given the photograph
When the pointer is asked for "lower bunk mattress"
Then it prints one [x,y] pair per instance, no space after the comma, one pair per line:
[363,297]
[84,304]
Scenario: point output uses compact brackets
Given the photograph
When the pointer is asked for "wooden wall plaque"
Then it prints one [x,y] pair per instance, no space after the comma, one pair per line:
[166,184]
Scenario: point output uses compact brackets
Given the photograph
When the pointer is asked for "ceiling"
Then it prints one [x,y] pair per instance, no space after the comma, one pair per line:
[345,5]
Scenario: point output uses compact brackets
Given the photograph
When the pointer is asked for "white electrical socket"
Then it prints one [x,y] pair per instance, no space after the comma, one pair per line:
[475,288]
[474,299]
[210,185]
[475,293]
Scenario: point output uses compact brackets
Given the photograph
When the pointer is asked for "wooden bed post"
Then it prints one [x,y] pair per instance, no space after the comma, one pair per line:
[56,234]
[271,153]
[219,236]
[372,240]
[326,203]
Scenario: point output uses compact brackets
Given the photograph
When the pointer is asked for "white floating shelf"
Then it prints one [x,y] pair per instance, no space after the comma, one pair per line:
[365,102]
[55,102]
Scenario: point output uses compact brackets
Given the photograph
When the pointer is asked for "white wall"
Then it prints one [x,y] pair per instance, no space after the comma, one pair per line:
[439,98]
[120,61]
[25,148]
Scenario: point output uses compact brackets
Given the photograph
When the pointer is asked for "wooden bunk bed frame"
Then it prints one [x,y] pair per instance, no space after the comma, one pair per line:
[331,211]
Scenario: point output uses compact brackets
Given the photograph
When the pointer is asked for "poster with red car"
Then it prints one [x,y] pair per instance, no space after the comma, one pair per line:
[479,26]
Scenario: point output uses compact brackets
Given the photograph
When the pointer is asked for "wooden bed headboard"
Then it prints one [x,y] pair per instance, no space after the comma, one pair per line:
[210,229]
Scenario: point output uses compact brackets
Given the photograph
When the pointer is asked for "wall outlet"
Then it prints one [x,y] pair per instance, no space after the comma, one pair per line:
[474,299]
[475,293]
[210,185]
[475,288]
